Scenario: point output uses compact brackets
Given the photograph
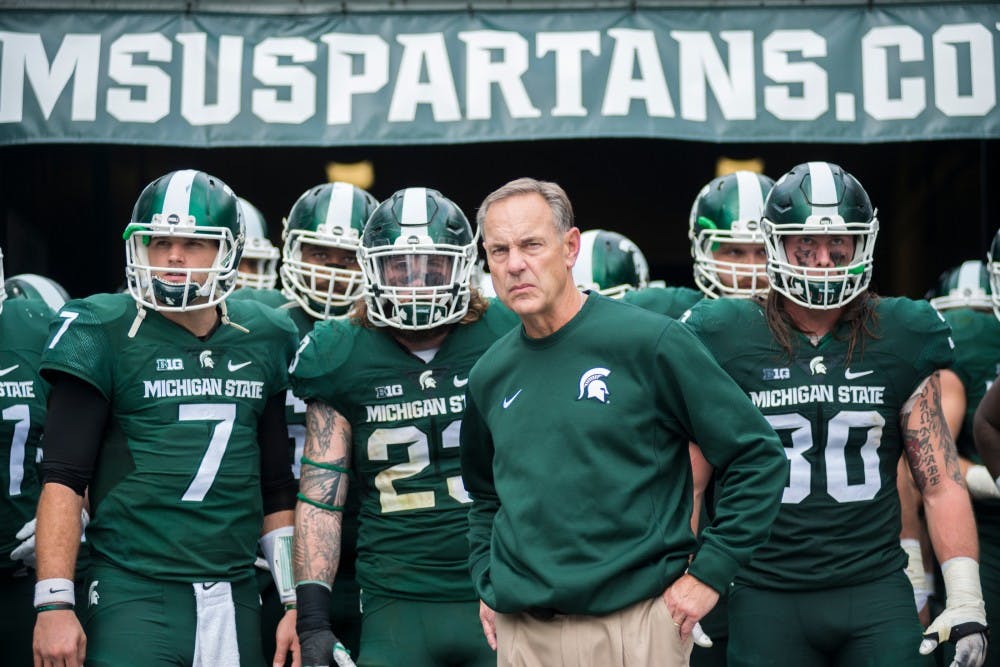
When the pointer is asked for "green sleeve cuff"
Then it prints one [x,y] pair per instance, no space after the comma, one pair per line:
[713,567]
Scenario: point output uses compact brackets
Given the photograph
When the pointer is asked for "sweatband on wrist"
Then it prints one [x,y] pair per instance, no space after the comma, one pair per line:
[313,602]
[55,606]
[277,548]
[54,591]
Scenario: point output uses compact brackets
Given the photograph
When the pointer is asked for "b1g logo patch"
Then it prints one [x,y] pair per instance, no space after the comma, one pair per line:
[592,385]
[776,373]
[169,364]
[388,391]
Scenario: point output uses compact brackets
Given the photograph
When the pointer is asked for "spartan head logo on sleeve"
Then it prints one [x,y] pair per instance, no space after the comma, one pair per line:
[592,385]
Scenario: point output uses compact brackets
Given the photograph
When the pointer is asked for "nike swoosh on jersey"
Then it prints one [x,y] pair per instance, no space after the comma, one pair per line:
[848,375]
[509,400]
[8,370]
[235,367]
[460,382]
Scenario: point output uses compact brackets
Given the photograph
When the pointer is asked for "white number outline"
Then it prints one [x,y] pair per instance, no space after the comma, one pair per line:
[225,414]
[21,416]
[838,431]
[418,458]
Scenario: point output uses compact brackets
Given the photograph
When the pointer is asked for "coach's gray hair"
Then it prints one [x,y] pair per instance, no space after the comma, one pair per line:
[554,196]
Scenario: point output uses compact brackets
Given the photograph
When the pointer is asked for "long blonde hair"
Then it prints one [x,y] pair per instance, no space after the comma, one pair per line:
[860,316]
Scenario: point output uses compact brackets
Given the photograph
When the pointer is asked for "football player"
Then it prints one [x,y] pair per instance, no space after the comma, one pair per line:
[34,286]
[610,263]
[386,395]
[258,267]
[169,405]
[24,324]
[321,236]
[850,381]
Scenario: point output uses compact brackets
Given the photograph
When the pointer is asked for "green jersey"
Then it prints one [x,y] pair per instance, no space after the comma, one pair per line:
[977,363]
[24,326]
[669,301]
[575,450]
[175,493]
[269,297]
[405,418]
[839,422]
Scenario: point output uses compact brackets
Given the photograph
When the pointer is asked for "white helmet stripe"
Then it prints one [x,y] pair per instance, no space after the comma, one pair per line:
[751,197]
[253,223]
[414,206]
[45,290]
[968,274]
[177,199]
[583,270]
[824,190]
[338,211]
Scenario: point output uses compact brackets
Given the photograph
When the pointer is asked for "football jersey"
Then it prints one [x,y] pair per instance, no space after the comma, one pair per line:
[175,493]
[575,446]
[269,297]
[839,422]
[669,301]
[24,326]
[977,363]
[405,418]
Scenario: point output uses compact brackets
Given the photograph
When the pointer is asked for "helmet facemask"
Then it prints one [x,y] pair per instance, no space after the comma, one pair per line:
[993,267]
[718,278]
[965,286]
[258,252]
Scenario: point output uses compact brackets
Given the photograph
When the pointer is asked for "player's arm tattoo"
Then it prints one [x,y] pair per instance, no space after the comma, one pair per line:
[928,442]
[322,494]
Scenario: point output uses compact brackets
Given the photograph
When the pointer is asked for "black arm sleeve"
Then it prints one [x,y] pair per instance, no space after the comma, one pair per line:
[277,485]
[74,424]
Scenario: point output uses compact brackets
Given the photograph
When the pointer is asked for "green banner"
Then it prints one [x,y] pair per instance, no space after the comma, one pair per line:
[892,73]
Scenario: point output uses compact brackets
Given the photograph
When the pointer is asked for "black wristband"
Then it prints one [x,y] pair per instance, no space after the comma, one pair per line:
[313,605]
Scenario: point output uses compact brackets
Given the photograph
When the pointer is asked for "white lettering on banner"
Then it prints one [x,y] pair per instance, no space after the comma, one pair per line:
[195,106]
[875,48]
[300,83]
[342,84]
[481,72]
[439,89]
[779,100]
[475,75]
[78,58]
[569,48]
[978,42]
[147,97]
[700,63]
[636,48]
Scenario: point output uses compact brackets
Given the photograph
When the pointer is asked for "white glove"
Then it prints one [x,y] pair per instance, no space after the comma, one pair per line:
[342,656]
[915,572]
[981,484]
[25,551]
[699,636]
[963,620]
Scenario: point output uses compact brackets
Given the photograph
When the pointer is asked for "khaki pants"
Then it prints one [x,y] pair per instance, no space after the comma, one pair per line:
[637,636]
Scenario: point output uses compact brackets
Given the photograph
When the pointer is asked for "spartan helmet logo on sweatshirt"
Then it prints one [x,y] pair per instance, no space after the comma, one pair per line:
[592,385]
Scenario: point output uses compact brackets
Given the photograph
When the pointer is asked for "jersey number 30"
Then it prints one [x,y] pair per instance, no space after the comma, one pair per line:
[838,429]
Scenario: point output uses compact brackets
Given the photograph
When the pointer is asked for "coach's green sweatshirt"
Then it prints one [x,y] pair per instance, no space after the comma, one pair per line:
[575,452]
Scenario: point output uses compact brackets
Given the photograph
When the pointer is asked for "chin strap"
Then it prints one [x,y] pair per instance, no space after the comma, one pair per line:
[224,312]
[139,317]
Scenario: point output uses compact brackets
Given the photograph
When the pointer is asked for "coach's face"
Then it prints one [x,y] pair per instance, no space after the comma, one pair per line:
[530,260]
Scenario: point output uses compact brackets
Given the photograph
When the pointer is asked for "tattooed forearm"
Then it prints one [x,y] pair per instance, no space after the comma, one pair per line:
[326,459]
[929,445]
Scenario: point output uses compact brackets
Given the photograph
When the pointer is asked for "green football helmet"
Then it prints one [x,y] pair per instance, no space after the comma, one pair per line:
[417,254]
[728,210]
[964,286]
[257,248]
[33,286]
[609,263]
[993,267]
[332,215]
[819,199]
[186,204]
